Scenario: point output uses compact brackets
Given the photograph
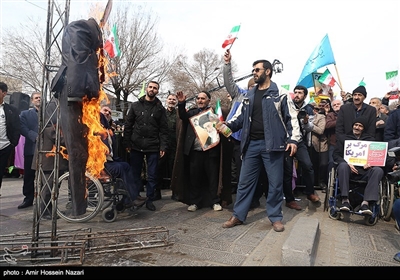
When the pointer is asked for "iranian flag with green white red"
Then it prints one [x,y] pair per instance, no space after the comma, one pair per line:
[112,45]
[218,110]
[327,79]
[232,36]
[392,80]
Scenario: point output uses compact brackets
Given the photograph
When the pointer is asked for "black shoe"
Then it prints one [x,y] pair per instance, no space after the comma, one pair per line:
[345,206]
[174,197]
[150,206]
[365,210]
[25,204]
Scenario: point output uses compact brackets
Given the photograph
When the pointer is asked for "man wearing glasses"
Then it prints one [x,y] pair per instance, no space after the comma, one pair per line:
[269,128]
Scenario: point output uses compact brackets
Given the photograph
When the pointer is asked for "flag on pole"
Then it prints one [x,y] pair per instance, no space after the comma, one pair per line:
[327,79]
[218,110]
[320,57]
[142,92]
[362,83]
[232,36]
[392,80]
[112,45]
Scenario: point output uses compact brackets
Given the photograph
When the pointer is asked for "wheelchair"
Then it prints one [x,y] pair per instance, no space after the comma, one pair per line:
[105,194]
[356,193]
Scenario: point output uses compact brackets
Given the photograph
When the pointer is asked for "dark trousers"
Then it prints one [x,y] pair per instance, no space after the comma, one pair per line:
[137,160]
[4,156]
[122,169]
[204,171]
[74,132]
[372,176]
[288,177]
[165,167]
[303,157]
[28,188]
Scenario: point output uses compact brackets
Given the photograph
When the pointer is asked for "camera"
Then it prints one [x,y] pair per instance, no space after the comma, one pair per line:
[302,114]
[394,176]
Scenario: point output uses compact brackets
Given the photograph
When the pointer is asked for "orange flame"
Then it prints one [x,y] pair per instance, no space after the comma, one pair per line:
[63,152]
[96,148]
[91,117]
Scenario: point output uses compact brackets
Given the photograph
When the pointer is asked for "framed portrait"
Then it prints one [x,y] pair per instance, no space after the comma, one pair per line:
[205,130]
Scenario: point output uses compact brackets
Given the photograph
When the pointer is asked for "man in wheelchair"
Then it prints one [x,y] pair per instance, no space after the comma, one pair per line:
[116,166]
[346,171]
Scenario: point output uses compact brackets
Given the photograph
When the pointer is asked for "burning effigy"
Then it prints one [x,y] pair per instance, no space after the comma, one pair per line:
[77,85]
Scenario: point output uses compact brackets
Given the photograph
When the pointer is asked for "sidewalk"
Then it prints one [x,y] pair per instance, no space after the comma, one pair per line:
[198,239]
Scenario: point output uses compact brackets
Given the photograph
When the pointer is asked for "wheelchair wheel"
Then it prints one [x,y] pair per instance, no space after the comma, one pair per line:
[334,214]
[95,198]
[370,220]
[387,199]
[330,189]
[109,215]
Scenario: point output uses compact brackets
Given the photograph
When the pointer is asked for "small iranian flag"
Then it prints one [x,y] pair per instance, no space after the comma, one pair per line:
[232,36]
[112,46]
[218,110]
[142,92]
[327,78]
[392,80]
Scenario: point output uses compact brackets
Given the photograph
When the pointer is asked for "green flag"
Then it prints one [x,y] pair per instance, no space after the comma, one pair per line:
[362,83]
[287,87]
[142,92]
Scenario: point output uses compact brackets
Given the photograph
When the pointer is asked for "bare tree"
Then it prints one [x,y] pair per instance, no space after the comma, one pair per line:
[142,57]
[23,55]
[204,72]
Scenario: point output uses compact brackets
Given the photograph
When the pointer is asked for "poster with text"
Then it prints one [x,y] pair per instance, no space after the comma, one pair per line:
[357,152]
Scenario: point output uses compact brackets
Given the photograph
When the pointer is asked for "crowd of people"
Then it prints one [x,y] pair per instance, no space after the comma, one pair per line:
[275,137]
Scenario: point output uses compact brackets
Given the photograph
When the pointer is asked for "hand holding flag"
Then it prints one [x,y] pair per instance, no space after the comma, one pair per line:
[327,79]
[231,37]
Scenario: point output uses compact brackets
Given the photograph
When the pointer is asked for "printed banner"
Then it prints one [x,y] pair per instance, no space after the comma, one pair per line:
[359,153]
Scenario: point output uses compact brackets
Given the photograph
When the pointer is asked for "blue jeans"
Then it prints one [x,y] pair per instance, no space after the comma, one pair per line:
[255,158]
[137,159]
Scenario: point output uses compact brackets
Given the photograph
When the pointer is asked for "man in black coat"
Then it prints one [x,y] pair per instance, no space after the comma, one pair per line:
[203,162]
[146,135]
[10,129]
[349,111]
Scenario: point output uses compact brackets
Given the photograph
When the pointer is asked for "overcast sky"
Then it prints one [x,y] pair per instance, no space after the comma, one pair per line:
[364,35]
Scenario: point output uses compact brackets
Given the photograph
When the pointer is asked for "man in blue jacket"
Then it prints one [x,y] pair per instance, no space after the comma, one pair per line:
[29,129]
[269,128]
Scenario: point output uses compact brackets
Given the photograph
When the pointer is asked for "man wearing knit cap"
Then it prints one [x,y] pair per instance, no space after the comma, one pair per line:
[345,170]
[351,110]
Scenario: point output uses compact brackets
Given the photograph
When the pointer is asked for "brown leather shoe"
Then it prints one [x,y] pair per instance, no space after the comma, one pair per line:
[278,226]
[313,197]
[293,205]
[233,221]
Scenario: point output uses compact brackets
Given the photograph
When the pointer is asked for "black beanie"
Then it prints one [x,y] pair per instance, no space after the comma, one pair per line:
[361,89]
[362,120]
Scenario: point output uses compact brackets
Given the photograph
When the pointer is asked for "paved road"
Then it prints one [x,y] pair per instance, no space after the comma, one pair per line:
[198,239]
